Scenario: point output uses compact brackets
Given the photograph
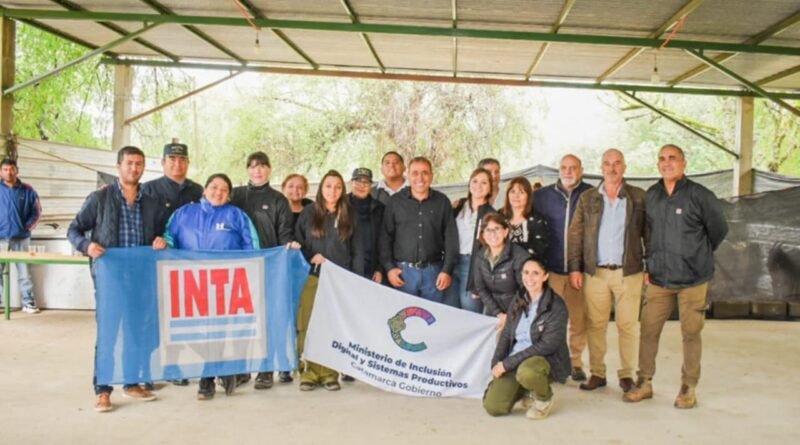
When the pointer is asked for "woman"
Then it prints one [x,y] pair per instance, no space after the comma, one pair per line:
[532,350]
[528,228]
[197,227]
[497,267]
[295,188]
[325,231]
[468,213]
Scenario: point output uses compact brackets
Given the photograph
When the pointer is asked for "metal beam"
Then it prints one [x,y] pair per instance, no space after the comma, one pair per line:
[364,37]
[546,45]
[755,40]
[449,79]
[669,23]
[680,123]
[180,98]
[279,34]
[755,88]
[80,59]
[117,29]
[780,75]
[406,30]
[194,30]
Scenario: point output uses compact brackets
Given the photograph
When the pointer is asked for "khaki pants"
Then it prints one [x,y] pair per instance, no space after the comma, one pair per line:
[604,288]
[658,305]
[309,371]
[532,375]
[576,306]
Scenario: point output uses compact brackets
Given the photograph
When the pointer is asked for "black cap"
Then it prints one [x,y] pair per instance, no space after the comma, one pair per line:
[176,149]
[362,172]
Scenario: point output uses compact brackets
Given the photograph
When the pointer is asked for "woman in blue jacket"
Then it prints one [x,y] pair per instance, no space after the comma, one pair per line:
[212,224]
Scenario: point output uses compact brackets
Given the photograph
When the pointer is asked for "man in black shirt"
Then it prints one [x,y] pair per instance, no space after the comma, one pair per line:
[419,243]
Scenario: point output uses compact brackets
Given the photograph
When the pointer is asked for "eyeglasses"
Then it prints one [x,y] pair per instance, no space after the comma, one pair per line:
[494,231]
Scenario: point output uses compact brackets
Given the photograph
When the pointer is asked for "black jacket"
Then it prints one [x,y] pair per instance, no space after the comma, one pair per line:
[684,231]
[538,230]
[497,286]
[345,253]
[476,243]
[548,334]
[173,195]
[269,210]
[376,209]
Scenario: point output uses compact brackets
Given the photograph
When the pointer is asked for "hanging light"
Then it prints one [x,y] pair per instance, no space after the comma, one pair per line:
[257,45]
[654,77]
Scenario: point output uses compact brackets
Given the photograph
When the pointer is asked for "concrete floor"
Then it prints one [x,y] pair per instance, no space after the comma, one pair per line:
[749,390]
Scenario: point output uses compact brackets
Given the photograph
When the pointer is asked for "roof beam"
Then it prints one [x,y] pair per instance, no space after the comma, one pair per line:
[364,37]
[279,34]
[117,29]
[88,55]
[755,88]
[165,11]
[632,54]
[449,79]
[753,41]
[568,4]
[406,30]
[680,123]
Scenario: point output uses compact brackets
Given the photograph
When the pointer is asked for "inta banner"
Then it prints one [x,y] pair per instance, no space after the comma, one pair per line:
[398,342]
[174,314]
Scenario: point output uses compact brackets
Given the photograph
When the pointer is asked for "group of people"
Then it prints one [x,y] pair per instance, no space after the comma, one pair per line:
[549,262]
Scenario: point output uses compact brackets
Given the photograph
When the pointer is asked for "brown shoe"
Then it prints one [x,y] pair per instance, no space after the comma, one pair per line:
[686,398]
[642,390]
[138,393]
[593,383]
[626,384]
[103,402]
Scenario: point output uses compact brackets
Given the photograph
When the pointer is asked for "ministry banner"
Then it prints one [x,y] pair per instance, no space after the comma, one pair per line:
[175,314]
[398,342]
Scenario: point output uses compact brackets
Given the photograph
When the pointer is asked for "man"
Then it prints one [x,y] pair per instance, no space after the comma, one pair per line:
[686,226]
[493,167]
[557,204]
[20,214]
[419,241]
[271,215]
[392,168]
[119,215]
[606,262]
[369,215]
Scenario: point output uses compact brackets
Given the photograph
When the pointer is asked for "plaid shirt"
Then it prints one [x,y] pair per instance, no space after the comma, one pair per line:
[131,226]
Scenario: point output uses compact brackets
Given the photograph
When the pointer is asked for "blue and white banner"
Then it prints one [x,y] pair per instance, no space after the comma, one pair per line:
[398,342]
[173,314]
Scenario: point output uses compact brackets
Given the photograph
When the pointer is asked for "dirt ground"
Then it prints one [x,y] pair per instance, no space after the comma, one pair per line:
[749,393]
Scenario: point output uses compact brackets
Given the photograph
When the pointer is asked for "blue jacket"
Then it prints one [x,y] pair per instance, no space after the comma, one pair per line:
[557,207]
[201,226]
[20,210]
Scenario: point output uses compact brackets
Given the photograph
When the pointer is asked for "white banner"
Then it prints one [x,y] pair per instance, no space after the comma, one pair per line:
[398,342]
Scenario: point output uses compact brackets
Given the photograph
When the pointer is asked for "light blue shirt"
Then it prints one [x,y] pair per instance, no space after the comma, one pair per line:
[611,234]
[523,333]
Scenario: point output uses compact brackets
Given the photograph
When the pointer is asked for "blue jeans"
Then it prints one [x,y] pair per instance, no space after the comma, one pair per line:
[457,294]
[25,284]
[421,282]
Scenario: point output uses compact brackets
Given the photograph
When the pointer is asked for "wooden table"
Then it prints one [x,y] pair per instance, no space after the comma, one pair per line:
[11,257]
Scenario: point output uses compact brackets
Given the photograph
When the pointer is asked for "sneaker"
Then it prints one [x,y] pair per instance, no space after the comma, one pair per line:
[149,386]
[181,382]
[540,409]
[138,393]
[263,380]
[642,390]
[285,377]
[307,386]
[332,385]
[103,402]
[578,375]
[687,399]
[30,309]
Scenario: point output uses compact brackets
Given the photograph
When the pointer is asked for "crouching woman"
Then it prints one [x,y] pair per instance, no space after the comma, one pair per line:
[532,351]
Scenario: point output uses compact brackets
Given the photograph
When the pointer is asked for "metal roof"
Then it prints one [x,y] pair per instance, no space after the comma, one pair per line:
[583,43]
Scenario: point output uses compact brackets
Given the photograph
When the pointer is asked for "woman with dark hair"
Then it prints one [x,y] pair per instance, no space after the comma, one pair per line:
[532,350]
[295,188]
[497,267]
[527,228]
[325,232]
[468,213]
[212,224]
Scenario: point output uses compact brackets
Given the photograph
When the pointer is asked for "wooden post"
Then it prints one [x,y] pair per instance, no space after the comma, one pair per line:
[8,33]
[123,90]
[743,168]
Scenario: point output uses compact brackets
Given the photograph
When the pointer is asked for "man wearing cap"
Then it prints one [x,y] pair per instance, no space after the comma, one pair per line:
[369,213]
[271,215]
[392,169]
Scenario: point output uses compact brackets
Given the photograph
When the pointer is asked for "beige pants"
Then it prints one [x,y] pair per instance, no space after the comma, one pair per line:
[658,305]
[577,316]
[602,290]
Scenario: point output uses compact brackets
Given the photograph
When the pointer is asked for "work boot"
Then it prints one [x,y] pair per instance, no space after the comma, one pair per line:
[578,375]
[593,383]
[263,380]
[686,398]
[627,384]
[206,389]
[643,390]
